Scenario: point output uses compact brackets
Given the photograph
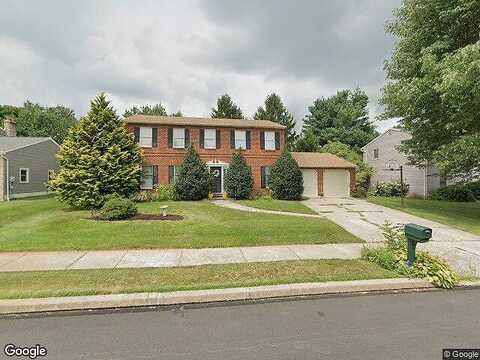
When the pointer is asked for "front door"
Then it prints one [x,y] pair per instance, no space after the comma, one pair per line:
[216,172]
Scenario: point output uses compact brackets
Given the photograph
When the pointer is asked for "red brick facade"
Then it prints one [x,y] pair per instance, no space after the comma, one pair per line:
[164,156]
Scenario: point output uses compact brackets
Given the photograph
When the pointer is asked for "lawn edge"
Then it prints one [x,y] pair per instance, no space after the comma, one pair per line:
[95,302]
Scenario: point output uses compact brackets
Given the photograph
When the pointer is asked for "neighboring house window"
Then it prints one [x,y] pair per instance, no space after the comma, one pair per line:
[146,137]
[265,176]
[240,139]
[149,177]
[375,153]
[269,140]
[24,176]
[210,138]
[178,138]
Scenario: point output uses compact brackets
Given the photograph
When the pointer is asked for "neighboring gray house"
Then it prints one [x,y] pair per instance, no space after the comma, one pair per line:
[381,153]
[25,163]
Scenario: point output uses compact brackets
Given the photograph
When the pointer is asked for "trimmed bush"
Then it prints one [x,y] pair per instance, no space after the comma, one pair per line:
[118,208]
[463,193]
[164,193]
[238,179]
[194,181]
[286,181]
[393,256]
[390,189]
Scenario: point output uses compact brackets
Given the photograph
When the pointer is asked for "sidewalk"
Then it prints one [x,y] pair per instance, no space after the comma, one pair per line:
[69,260]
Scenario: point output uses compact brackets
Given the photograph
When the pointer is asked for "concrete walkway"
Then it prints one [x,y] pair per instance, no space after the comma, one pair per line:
[236,206]
[363,219]
[69,260]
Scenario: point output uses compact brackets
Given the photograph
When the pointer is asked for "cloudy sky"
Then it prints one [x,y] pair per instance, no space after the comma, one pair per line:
[185,54]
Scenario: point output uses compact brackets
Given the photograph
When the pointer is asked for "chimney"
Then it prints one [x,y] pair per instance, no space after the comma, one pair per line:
[10,127]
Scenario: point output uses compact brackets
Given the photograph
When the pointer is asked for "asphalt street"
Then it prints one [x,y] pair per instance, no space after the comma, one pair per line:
[389,326]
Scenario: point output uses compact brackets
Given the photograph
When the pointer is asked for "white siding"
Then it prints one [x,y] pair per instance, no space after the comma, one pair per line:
[310,182]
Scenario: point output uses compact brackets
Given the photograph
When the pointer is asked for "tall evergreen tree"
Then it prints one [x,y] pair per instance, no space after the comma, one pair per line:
[98,158]
[306,142]
[226,109]
[194,181]
[238,179]
[286,180]
[157,109]
[342,117]
[274,110]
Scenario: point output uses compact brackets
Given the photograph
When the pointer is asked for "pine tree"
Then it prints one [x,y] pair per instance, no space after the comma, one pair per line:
[275,111]
[286,180]
[238,179]
[226,109]
[98,158]
[194,181]
[157,109]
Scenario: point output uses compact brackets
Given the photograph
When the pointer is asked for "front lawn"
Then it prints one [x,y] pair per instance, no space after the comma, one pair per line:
[15,285]
[45,224]
[278,205]
[461,215]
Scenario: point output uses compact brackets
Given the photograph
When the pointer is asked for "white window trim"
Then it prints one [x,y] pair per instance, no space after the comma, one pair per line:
[237,140]
[20,176]
[141,183]
[271,141]
[145,141]
[183,138]
[267,176]
[214,138]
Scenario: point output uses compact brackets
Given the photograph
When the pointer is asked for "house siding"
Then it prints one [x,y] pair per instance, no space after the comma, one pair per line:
[163,156]
[39,159]
[422,180]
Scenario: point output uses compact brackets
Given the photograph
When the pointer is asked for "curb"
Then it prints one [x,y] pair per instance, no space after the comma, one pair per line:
[18,306]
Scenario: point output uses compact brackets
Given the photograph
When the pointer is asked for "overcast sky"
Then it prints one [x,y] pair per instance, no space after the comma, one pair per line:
[185,54]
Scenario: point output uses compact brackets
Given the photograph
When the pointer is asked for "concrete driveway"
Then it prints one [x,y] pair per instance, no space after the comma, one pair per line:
[461,249]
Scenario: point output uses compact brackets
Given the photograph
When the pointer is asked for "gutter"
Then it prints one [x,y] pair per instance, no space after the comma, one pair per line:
[2,155]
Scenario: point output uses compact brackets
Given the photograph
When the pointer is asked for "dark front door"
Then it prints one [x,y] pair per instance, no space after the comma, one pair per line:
[216,172]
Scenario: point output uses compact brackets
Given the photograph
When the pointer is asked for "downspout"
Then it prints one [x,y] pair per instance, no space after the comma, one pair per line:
[7,177]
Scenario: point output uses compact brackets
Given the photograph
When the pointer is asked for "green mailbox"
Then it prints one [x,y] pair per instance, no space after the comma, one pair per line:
[415,234]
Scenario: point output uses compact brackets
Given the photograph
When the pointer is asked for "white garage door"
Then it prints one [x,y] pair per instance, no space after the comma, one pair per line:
[336,183]
[310,183]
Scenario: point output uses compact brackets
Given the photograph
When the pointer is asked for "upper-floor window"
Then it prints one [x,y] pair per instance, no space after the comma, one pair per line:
[146,138]
[375,153]
[210,138]
[24,175]
[178,138]
[240,139]
[269,140]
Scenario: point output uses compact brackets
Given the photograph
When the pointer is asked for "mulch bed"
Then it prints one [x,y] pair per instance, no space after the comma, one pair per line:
[145,217]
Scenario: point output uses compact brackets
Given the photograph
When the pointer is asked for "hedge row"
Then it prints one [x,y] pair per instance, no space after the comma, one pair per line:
[458,192]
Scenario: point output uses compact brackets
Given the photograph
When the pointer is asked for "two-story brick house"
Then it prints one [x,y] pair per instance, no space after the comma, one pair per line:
[165,138]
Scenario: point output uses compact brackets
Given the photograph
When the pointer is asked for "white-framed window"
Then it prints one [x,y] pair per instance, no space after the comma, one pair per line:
[146,137]
[240,139]
[24,175]
[375,153]
[147,178]
[210,138]
[269,139]
[267,176]
[178,138]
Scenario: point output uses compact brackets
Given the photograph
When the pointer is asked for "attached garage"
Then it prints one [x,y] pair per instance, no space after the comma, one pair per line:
[325,174]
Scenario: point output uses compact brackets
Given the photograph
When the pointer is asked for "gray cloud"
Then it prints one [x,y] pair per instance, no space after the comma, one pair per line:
[187,53]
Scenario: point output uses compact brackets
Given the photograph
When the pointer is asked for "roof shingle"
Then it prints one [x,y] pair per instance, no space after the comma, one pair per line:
[320,160]
[9,143]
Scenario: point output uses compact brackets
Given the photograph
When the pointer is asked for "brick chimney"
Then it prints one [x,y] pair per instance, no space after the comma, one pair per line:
[10,127]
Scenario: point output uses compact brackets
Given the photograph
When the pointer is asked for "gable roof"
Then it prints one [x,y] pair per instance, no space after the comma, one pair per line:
[381,135]
[321,160]
[198,121]
[10,143]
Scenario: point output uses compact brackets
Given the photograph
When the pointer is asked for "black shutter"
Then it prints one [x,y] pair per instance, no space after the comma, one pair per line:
[154,137]
[136,134]
[262,140]
[170,137]
[262,177]
[171,173]
[247,135]
[187,138]
[277,140]
[202,138]
[155,174]
[232,139]
[218,139]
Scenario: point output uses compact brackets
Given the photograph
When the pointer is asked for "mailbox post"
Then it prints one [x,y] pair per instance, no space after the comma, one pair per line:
[415,234]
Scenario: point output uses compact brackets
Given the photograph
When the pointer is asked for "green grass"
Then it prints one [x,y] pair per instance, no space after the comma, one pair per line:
[278,205]
[461,215]
[90,282]
[44,224]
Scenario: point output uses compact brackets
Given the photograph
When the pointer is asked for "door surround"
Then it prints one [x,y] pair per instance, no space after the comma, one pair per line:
[223,166]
